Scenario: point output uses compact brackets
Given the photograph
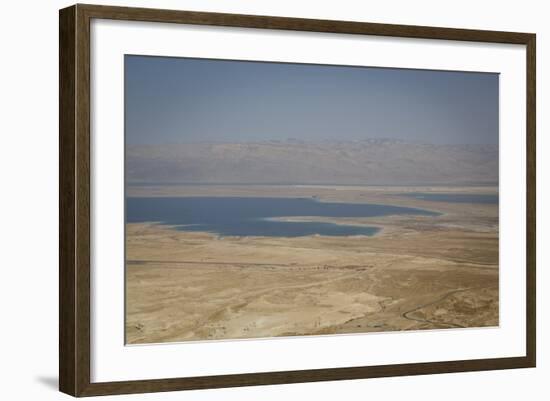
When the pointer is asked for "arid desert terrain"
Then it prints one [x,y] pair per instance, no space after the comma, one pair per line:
[417,272]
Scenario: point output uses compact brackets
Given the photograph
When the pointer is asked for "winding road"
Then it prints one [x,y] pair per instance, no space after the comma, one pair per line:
[438,300]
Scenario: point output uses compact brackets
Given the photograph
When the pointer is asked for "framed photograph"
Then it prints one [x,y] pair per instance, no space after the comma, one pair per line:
[250,200]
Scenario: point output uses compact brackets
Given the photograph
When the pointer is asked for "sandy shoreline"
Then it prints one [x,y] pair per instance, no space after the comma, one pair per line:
[418,272]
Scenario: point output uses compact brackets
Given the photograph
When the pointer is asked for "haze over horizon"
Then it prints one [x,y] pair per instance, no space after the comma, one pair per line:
[182,100]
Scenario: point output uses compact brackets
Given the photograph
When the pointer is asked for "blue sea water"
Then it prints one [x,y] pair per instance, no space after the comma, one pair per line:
[454,198]
[234,216]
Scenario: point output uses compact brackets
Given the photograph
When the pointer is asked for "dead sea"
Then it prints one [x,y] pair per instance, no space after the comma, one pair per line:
[418,272]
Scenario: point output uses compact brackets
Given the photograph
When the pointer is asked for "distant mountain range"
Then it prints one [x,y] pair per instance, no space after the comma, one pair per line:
[366,162]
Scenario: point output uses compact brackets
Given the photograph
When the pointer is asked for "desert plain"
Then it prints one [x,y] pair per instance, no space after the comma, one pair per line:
[416,273]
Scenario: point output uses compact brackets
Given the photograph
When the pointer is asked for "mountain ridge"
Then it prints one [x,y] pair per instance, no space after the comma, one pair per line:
[374,161]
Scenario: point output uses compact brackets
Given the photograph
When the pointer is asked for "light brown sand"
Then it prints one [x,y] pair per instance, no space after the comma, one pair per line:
[417,273]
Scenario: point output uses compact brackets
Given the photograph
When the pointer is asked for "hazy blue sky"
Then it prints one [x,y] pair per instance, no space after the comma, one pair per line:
[175,100]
